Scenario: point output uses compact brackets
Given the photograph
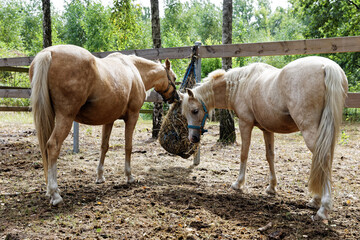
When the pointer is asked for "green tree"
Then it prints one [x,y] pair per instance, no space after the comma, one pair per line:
[227,125]
[11,20]
[194,20]
[100,34]
[31,29]
[326,18]
[73,32]
[133,28]
[243,12]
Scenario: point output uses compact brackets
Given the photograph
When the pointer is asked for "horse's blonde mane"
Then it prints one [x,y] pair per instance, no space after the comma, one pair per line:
[205,91]
[215,75]
[237,80]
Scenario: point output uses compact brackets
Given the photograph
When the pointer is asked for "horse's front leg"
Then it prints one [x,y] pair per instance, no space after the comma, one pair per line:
[129,130]
[106,131]
[269,146]
[53,146]
[245,132]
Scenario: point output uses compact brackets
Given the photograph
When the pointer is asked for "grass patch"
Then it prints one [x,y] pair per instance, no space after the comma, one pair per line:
[16,117]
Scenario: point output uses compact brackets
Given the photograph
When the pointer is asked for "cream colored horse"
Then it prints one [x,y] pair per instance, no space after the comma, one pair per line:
[70,84]
[307,95]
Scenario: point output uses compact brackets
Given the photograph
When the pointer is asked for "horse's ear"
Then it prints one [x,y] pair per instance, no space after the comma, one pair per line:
[167,64]
[190,93]
[181,95]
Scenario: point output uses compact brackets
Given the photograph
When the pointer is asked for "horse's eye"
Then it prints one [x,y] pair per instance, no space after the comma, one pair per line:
[195,111]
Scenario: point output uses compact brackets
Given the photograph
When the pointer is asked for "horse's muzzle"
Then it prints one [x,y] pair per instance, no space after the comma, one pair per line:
[194,139]
[173,98]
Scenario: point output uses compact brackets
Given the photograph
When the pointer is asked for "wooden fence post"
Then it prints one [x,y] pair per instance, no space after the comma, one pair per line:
[76,137]
[198,80]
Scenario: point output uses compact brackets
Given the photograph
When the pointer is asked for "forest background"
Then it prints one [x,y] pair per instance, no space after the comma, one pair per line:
[126,25]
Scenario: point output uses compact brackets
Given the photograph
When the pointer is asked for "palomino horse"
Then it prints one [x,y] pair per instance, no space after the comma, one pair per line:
[307,95]
[70,84]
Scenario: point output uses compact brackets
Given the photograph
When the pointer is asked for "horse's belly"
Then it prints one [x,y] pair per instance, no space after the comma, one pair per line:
[99,114]
[281,124]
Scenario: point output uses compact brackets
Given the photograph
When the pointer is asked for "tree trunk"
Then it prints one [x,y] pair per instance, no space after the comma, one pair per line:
[227,126]
[46,24]
[155,27]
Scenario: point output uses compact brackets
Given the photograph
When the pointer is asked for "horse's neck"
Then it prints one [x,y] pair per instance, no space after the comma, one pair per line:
[212,93]
[150,71]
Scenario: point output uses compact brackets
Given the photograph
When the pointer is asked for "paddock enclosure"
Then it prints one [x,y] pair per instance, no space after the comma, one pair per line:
[172,199]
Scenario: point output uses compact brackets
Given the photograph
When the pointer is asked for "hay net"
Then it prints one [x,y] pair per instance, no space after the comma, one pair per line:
[173,135]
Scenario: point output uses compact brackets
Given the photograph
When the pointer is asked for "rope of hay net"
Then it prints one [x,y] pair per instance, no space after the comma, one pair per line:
[173,135]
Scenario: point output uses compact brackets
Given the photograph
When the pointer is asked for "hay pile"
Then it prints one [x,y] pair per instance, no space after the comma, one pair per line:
[173,135]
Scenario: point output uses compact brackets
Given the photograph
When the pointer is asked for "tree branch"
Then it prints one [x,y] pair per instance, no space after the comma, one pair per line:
[357,6]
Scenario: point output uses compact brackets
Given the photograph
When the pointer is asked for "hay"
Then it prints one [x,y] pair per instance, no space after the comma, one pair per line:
[173,135]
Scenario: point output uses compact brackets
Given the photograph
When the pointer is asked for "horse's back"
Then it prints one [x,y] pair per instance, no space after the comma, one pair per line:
[283,99]
[304,88]
[303,80]
[70,76]
[90,89]
[118,91]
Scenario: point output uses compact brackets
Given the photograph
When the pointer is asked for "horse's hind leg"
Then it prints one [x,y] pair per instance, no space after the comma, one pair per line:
[245,132]
[321,201]
[106,131]
[269,146]
[60,132]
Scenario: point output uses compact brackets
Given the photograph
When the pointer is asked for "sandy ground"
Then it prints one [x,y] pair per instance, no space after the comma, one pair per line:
[171,198]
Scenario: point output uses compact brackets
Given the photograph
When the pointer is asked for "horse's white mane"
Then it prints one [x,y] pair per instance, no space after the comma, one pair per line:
[237,79]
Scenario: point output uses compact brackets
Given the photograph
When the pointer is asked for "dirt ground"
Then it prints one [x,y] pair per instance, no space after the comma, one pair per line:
[171,199]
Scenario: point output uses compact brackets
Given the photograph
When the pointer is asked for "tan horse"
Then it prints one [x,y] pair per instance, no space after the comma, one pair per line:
[70,84]
[307,95]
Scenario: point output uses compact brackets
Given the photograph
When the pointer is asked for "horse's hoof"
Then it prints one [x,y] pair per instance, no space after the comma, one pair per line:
[130,180]
[235,186]
[56,199]
[314,203]
[271,191]
[319,217]
[100,180]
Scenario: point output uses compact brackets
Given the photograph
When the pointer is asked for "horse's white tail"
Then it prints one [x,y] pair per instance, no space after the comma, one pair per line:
[328,131]
[40,102]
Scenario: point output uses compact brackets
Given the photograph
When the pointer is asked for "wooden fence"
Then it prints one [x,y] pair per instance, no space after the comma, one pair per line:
[310,46]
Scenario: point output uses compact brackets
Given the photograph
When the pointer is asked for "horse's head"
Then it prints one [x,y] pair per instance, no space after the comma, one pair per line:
[196,113]
[168,89]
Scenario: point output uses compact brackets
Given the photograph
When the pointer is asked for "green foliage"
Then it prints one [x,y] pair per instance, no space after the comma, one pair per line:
[324,19]
[130,25]
[344,138]
[73,31]
[31,31]
[98,28]
[127,25]
[12,18]
[193,21]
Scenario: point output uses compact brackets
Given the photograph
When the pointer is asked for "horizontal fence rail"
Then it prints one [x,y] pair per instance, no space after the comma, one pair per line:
[13,92]
[308,46]
[352,101]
